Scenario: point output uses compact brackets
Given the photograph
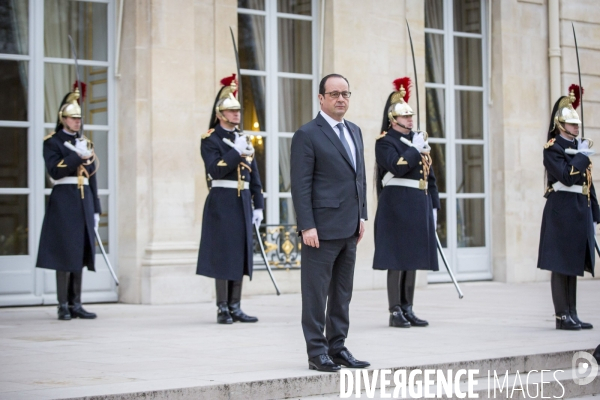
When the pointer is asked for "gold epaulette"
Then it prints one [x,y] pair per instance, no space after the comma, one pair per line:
[382,135]
[550,143]
[49,136]
[207,134]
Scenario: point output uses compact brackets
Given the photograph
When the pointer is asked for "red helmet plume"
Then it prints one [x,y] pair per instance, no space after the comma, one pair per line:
[575,89]
[406,83]
[83,90]
[228,80]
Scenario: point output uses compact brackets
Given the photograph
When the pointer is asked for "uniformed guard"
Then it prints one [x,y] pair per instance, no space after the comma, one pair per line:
[67,241]
[235,202]
[407,206]
[571,212]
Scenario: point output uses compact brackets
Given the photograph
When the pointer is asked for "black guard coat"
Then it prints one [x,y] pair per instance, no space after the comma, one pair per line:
[226,241]
[404,230]
[67,240]
[567,234]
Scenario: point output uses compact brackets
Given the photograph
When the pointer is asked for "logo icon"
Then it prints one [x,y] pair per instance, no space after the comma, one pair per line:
[584,368]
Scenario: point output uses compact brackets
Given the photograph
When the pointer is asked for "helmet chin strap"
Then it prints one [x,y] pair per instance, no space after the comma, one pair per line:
[402,126]
[562,129]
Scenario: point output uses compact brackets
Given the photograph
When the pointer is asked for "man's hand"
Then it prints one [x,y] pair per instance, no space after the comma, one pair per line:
[361,231]
[310,237]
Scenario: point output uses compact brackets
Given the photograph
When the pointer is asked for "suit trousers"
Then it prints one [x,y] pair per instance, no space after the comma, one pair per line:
[327,276]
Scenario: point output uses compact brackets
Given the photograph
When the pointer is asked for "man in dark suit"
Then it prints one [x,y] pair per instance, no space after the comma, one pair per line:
[329,195]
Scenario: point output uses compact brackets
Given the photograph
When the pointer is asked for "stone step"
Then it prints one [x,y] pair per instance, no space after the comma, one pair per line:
[327,385]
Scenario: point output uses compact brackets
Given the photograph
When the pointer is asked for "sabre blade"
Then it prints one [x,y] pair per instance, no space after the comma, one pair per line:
[264,254]
[580,87]
[112,272]
[78,82]
[239,75]
[412,50]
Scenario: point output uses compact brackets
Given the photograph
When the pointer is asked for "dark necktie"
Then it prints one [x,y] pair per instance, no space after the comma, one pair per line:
[340,127]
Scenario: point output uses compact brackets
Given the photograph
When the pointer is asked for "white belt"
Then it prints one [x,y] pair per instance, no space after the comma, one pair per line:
[561,187]
[389,180]
[70,180]
[222,183]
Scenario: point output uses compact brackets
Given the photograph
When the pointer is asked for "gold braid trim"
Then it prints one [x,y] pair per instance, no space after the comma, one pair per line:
[589,182]
[81,174]
[427,163]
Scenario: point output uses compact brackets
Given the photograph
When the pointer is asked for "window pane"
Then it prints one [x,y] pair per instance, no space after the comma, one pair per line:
[13,225]
[258,141]
[103,226]
[442,227]
[285,146]
[13,96]
[295,49]
[286,212]
[467,61]
[100,140]
[434,52]
[469,168]
[295,103]
[253,94]
[86,22]
[252,4]
[251,41]
[438,155]
[470,222]
[302,7]
[436,112]
[467,16]
[469,115]
[13,157]
[59,80]
[434,14]
[14,27]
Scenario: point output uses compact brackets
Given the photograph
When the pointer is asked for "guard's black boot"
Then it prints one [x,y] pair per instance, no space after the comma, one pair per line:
[397,319]
[75,307]
[584,325]
[572,293]
[565,322]
[223,316]
[235,296]
[63,312]
[412,318]
[62,283]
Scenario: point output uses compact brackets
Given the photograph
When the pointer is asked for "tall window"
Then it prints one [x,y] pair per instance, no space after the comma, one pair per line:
[36,71]
[456,123]
[278,60]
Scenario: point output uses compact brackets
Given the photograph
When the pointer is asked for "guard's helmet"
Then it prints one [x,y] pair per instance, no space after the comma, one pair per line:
[399,99]
[564,109]
[225,99]
[71,107]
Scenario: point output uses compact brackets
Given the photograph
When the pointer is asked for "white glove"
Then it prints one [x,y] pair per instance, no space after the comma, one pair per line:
[595,226]
[435,218]
[583,145]
[257,216]
[242,146]
[96,220]
[420,144]
[81,146]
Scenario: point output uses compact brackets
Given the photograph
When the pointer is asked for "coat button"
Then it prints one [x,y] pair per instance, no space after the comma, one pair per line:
[421,171]
[420,162]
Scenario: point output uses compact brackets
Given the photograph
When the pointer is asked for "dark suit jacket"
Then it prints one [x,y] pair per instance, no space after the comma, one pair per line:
[327,192]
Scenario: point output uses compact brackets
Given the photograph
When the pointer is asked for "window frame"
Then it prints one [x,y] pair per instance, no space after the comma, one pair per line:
[463,260]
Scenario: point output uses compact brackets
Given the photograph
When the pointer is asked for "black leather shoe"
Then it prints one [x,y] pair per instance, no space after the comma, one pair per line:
[63,312]
[412,318]
[77,311]
[584,325]
[238,315]
[323,363]
[397,319]
[346,359]
[223,316]
[565,322]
